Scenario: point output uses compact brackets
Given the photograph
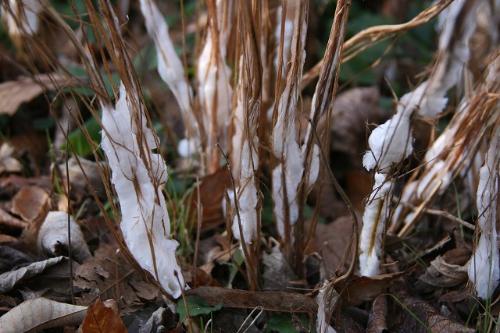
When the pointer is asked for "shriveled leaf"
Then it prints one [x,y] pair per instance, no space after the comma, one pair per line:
[12,258]
[84,176]
[156,323]
[30,203]
[10,221]
[39,314]
[277,270]
[442,274]
[8,163]
[101,318]
[9,280]
[24,89]
[109,275]
[420,316]
[4,239]
[352,111]
[212,190]
[377,322]
[53,236]
[11,184]
[331,242]
[362,289]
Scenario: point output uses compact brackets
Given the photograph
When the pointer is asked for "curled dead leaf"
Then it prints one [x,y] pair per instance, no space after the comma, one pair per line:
[377,322]
[277,270]
[84,176]
[10,221]
[38,314]
[212,190]
[426,318]
[352,111]
[103,317]
[109,275]
[30,203]
[8,163]
[9,280]
[361,289]
[53,236]
[24,89]
[442,274]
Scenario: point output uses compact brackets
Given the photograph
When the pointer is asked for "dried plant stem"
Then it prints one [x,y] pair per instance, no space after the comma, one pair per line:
[371,36]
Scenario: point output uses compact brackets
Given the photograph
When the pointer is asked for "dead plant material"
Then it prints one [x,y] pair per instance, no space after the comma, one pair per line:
[10,222]
[377,321]
[39,314]
[8,163]
[448,270]
[103,317]
[279,301]
[422,317]
[24,89]
[362,289]
[31,203]
[212,189]
[371,36]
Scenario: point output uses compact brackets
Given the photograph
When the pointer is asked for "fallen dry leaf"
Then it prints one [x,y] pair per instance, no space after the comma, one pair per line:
[352,111]
[212,190]
[429,319]
[442,274]
[11,184]
[84,176]
[377,320]
[362,289]
[5,239]
[11,258]
[10,221]
[53,236]
[30,203]
[38,314]
[109,275]
[24,89]
[9,280]
[157,321]
[331,241]
[101,318]
[8,163]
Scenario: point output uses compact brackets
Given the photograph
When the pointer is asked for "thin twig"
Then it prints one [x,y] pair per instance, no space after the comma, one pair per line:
[441,213]
[348,204]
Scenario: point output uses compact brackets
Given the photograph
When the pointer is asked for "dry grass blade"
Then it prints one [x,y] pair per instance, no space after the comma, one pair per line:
[369,37]
[453,151]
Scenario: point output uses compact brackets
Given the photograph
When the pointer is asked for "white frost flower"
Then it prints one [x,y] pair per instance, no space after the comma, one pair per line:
[389,143]
[137,175]
[287,39]
[374,218]
[213,74]
[170,66]
[244,160]
[484,266]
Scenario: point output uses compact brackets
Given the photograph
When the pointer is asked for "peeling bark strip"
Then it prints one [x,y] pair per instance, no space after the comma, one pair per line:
[269,300]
